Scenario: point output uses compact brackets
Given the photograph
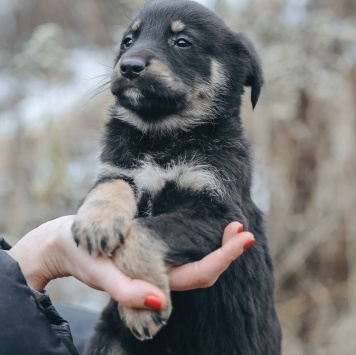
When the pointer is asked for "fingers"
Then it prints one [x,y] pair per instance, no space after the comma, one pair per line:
[205,272]
[231,230]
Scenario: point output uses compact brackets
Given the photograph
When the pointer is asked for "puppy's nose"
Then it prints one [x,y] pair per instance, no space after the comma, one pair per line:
[132,68]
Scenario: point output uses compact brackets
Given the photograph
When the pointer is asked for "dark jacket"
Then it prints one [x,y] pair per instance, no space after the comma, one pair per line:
[29,324]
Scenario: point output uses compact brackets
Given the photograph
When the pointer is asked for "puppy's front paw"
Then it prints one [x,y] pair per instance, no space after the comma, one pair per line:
[103,219]
[98,234]
[142,257]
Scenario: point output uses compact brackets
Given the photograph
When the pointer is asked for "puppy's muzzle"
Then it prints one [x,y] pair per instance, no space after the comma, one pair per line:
[132,68]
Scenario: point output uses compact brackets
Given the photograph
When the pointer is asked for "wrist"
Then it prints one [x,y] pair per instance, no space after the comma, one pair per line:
[31,265]
[36,257]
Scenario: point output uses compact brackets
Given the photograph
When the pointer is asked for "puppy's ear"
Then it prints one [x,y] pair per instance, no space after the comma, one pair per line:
[252,65]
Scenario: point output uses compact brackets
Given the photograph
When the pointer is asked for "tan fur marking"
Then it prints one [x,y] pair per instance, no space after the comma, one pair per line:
[105,214]
[136,25]
[162,73]
[177,26]
[218,77]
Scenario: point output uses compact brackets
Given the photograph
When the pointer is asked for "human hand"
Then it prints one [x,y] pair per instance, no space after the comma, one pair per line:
[205,272]
[49,252]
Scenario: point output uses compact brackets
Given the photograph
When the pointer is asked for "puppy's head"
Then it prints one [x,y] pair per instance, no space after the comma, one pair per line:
[179,65]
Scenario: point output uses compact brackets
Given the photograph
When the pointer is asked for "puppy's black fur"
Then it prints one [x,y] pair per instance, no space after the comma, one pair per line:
[178,83]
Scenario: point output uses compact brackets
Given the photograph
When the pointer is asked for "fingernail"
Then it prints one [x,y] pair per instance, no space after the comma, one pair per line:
[248,244]
[154,302]
[240,229]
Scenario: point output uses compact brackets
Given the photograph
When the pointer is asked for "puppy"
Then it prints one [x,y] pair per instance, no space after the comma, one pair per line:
[175,170]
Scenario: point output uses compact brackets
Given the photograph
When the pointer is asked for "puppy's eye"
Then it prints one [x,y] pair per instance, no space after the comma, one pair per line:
[182,43]
[127,42]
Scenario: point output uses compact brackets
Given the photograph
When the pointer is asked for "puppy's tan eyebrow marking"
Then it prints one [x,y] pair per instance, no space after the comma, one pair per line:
[177,26]
[136,25]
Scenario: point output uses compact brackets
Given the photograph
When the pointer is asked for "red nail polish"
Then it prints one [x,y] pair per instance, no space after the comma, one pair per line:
[154,302]
[240,229]
[248,244]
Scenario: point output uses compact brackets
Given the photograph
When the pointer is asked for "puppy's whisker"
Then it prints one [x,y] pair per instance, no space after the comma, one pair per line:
[104,76]
[106,66]
[101,88]
[98,90]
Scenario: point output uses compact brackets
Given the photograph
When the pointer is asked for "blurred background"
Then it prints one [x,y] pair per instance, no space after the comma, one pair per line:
[55,64]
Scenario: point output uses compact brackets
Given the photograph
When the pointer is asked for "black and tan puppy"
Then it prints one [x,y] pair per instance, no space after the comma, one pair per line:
[176,169]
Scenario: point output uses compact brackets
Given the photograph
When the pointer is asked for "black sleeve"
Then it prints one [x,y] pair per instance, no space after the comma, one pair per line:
[29,324]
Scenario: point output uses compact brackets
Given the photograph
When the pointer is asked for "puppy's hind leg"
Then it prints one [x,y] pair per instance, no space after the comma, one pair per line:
[142,257]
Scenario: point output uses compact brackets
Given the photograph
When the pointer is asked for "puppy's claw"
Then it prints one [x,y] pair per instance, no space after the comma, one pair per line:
[76,241]
[147,333]
[142,337]
[121,238]
[136,333]
[158,320]
[90,245]
[104,245]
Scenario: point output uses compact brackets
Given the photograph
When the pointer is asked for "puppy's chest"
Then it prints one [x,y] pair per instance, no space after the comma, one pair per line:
[194,173]
[190,175]
[153,174]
